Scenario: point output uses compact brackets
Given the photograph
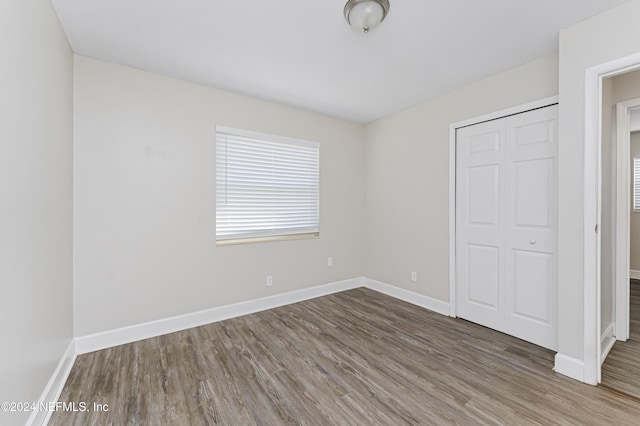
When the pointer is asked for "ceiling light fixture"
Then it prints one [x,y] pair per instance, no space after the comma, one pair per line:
[365,15]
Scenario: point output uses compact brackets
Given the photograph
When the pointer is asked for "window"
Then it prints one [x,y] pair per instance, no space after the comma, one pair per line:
[267,187]
[636,184]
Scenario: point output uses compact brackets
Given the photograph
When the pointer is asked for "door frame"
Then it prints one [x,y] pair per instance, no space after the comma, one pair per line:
[452,179]
[592,372]
[623,217]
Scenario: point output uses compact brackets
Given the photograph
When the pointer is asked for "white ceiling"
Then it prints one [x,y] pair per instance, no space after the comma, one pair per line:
[302,52]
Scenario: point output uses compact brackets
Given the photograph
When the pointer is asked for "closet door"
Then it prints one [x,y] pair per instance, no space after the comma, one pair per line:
[506,225]
[480,206]
[531,290]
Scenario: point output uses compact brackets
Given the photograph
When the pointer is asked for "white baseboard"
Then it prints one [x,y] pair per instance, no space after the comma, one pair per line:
[121,336]
[634,275]
[607,340]
[408,296]
[53,389]
[569,366]
[565,365]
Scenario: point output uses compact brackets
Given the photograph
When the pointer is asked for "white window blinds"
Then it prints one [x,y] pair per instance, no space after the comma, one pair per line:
[266,186]
[636,183]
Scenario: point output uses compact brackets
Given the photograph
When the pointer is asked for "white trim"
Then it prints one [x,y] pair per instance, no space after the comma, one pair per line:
[452,219]
[124,335]
[592,107]
[132,333]
[518,109]
[121,336]
[421,300]
[54,387]
[607,340]
[452,179]
[592,213]
[569,366]
[634,275]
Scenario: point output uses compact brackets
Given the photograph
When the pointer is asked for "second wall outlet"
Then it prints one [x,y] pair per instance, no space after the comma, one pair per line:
[269,280]
[414,276]
[330,261]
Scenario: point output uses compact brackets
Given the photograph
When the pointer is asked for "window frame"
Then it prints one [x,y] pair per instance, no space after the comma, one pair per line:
[285,234]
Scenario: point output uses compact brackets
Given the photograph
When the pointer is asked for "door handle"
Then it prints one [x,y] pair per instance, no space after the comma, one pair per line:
[532,242]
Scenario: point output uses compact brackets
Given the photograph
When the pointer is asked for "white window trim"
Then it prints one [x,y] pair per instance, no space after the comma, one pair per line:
[270,137]
[286,234]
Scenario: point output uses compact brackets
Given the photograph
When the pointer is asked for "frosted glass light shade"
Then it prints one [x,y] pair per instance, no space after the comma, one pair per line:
[365,15]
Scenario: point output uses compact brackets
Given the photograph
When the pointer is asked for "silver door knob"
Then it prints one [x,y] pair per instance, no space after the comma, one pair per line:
[532,242]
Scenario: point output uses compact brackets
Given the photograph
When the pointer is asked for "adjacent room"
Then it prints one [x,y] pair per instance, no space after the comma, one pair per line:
[620,244]
[340,212]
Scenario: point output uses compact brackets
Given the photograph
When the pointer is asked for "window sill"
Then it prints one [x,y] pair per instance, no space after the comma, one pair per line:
[269,239]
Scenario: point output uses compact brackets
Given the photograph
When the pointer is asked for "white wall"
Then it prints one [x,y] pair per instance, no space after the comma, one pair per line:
[610,35]
[627,87]
[144,211]
[407,173]
[634,123]
[36,67]
[634,241]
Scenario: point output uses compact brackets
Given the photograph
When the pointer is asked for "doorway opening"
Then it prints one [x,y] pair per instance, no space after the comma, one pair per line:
[620,338]
[592,225]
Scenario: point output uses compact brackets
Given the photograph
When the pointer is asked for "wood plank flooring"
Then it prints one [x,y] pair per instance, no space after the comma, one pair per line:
[621,369]
[352,358]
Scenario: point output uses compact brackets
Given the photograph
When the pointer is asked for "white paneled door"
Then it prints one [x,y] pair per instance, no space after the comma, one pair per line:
[506,225]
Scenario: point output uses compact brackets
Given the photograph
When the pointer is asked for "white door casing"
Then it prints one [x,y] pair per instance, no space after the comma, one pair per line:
[506,225]
[591,356]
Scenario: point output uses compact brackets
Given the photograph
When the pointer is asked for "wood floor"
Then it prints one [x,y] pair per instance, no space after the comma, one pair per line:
[352,358]
[621,369]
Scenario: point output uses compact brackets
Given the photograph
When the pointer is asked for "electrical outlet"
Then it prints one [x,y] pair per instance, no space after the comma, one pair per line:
[330,261]
[269,280]
[414,276]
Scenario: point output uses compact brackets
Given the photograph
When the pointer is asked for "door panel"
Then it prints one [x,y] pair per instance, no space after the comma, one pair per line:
[533,134]
[484,276]
[506,225]
[532,285]
[533,182]
[530,304]
[483,197]
[484,143]
[479,248]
